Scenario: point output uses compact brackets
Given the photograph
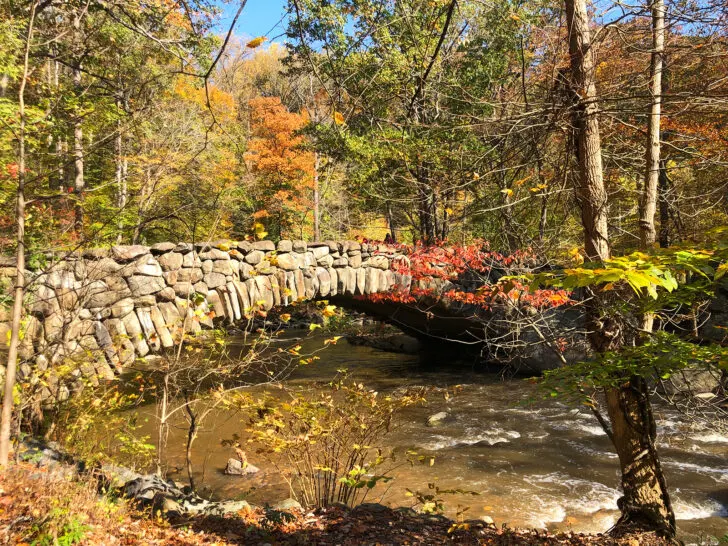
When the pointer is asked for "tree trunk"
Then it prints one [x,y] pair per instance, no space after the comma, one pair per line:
[121,173]
[664,189]
[316,204]
[591,193]
[12,362]
[648,201]
[78,181]
[645,503]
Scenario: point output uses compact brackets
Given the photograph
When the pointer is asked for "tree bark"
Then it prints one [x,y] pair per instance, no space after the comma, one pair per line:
[12,362]
[645,502]
[648,201]
[591,192]
[78,160]
[316,198]
[121,174]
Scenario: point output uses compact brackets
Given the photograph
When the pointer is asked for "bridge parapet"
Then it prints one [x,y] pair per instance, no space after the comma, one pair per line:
[104,307]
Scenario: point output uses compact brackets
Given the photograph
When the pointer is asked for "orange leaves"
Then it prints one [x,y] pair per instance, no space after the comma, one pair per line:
[283,167]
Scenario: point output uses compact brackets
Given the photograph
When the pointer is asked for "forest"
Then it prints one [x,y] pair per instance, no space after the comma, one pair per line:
[519,182]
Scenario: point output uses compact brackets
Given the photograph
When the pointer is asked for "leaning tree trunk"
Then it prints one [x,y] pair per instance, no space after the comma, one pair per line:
[12,362]
[645,502]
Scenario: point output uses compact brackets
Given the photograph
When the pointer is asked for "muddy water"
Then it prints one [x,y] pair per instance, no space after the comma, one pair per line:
[543,464]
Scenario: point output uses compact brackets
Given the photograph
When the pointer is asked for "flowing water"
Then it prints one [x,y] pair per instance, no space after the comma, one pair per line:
[543,464]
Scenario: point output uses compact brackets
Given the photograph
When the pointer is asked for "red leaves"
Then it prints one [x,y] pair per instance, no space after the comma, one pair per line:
[476,260]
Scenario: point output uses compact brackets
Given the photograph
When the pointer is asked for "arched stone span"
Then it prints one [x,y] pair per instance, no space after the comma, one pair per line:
[105,307]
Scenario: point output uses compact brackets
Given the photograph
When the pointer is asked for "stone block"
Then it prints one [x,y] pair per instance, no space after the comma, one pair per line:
[325,261]
[243,297]
[150,333]
[126,253]
[166,294]
[214,280]
[324,282]
[265,246]
[142,285]
[287,261]
[285,246]
[191,260]
[222,266]
[254,257]
[135,333]
[171,261]
[234,300]
[379,262]
[214,254]
[160,325]
[246,271]
[334,276]
[299,246]
[191,275]
[319,251]
[184,289]
[101,269]
[355,260]
[122,307]
[161,248]
[264,290]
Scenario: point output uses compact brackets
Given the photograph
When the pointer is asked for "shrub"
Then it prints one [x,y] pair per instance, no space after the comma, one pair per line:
[327,442]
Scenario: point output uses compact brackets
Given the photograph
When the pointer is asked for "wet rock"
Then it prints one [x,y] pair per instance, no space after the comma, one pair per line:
[437,418]
[235,468]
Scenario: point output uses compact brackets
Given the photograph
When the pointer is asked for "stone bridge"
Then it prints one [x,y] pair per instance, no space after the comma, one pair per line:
[104,307]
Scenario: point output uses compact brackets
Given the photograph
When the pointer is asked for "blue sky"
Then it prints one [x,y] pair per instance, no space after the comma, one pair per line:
[257,19]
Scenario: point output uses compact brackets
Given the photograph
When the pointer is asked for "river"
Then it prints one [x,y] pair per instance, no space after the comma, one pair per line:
[539,464]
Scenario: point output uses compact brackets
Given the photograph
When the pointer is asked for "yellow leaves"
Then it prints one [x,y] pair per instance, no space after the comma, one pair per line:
[476,176]
[313,327]
[538,188]
[339,118]
[255,42]
[332,341]
[449,211]
[507,192]
[259,231]
[575,256]
[285,317]
[329,311]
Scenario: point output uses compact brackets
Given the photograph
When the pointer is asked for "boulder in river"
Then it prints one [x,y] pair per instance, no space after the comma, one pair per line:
[437,418]
[236,468]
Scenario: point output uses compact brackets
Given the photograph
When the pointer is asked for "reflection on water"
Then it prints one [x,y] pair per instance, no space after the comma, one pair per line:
[543,464]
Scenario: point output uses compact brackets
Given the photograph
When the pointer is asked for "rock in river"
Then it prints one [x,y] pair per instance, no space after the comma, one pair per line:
[235,468]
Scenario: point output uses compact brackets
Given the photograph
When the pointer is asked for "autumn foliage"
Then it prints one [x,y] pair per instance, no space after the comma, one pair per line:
[283,168]
[478,265]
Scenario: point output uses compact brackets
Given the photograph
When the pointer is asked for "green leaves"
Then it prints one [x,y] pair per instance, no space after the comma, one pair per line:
[660,358]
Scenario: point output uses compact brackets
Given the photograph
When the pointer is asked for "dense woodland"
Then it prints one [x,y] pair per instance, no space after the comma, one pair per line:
[576,133]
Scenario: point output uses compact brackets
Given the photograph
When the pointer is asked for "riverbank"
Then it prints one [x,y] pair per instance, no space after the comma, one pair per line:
[42,507]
